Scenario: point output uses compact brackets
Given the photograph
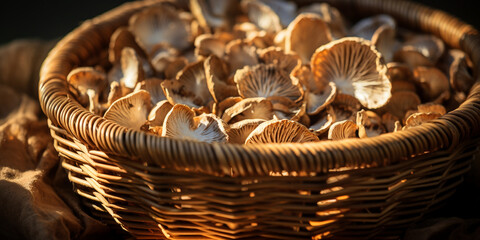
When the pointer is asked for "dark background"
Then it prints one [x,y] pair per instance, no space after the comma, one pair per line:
[53,19]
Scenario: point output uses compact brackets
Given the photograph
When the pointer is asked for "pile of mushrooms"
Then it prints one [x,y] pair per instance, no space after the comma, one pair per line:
[265,71]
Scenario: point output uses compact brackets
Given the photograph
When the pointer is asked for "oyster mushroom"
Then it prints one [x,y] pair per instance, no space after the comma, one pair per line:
[418,119]
[161,24]
[286,10]
[345,107]
[285,108]
[281,131]
[131,110]
[207,44]
[163,55]
[240,54]
[330,15]
[266,81]
[401,77]
[132,68]
[88,83]
[356,68]
[318,94]
[305,34]
[214,13]
[369,124]
[433,83]
[181,123]
[367,27]
[421,50]
[389,121]
[249,108]
[276,56]
[262,15]
[323,121]
[120,39]
[430,107]
[401,103]
[190,89]
[342,130]
[154,87]
[458,70]
[157,115]
[384,41]
[240,130]
[217,74]
[220,107]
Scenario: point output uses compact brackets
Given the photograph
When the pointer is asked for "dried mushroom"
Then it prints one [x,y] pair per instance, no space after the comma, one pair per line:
[356,68]
[131,110]
[342,130]
[161,24]
[249,108]
[88,83]
[217,75]
[330,15]
[240,130]
[281,131]
[263,71]
[181,123]
[305,34]
[190,88]
[266,81]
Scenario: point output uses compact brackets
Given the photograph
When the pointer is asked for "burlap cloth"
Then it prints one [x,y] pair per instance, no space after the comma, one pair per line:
[37,200]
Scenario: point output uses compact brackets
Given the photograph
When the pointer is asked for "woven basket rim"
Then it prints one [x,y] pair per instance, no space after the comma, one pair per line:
[446,132]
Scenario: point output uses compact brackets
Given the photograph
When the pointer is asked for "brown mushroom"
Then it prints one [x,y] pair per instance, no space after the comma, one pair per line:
[131,110]
[356,68]
[281,131]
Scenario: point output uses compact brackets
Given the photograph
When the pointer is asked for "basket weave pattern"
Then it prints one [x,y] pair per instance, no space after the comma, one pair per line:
[158,187]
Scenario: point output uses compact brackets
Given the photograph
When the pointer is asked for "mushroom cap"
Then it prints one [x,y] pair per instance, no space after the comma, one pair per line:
[262,15]
[345,107]
[181,123]
[285,10]
[132,68]
[459,72]
[330,15]
[249,108]
[240,54]
[220,107]
[158,24]
[418,119]
[213,13]
[323,121]
[191,87]
[158,113]
[342,129]
[276,56]
[420,50]
[305,34]
[217,74]
[266,81]
[84,78]
[318,100]
[369,124]
[433,82]
[356,68]
[384,41]
[240,130]
[281,131]
[207,44]
[162,56]
[154,87]
[121,38]
[367,27]
[432,107]
[401,102]
[131,110]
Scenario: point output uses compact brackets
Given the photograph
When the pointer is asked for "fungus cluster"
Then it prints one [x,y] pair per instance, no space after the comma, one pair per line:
[264,71]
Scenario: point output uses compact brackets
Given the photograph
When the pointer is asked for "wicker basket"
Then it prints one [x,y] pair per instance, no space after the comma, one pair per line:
[156,187]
